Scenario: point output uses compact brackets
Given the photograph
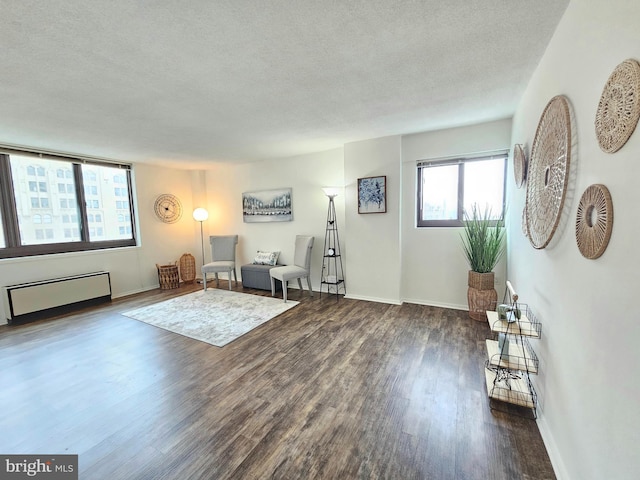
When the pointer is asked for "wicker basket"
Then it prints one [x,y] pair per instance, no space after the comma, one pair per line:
[168,276]
[481,295]
[480,301]
[481,281]
[187,268]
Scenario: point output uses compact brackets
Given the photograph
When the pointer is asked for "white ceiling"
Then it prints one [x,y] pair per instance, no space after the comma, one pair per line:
[185,82]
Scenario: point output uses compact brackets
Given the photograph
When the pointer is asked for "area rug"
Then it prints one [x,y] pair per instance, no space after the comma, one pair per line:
[215,316]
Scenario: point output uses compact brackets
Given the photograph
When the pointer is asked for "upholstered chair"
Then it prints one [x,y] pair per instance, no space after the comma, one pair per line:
[300,269]
[223,258]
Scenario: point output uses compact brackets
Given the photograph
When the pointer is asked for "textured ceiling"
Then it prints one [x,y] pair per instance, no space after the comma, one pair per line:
[186,82]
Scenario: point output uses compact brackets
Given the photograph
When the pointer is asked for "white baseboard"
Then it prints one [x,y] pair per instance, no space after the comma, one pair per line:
[373,299]
[552,449]
[429,303]
[133,292]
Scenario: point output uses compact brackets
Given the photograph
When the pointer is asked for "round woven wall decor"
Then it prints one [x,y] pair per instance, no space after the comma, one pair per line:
[594,221]
[548,173]
[519,165]
[619,107]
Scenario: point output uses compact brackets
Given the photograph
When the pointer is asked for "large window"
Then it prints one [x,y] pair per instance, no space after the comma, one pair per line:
[448,188]
[66,194]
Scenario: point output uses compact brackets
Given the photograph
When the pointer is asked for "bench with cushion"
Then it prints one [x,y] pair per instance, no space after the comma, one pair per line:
[257,276]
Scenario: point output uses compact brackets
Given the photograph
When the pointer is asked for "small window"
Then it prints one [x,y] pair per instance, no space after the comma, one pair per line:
[447,188]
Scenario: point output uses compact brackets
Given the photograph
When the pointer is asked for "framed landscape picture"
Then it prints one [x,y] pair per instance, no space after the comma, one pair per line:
[267,206]
[372,194]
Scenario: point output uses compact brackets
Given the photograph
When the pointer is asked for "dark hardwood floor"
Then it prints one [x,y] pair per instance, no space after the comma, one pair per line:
[329,390]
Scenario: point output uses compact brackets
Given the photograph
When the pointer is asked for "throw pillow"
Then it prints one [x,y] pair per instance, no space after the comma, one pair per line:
[266,258]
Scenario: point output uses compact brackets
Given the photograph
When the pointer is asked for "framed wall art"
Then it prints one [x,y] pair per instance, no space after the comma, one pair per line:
[267,206]
[372,194]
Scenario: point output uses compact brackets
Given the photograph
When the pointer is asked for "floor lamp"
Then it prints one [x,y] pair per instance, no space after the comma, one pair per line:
[332,272]
[200,215]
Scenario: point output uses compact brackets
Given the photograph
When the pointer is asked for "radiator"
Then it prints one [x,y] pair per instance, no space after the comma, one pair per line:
[30,301]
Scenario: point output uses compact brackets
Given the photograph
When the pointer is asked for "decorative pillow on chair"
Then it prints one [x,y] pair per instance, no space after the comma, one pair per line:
[266,258]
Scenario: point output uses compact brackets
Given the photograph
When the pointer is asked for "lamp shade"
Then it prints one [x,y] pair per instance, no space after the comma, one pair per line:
[200,214]
[331,191]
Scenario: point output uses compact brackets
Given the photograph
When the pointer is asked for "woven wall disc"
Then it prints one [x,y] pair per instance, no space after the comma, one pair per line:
[524,222]
[619,107]
[548,172]
[519,165]
[594,221]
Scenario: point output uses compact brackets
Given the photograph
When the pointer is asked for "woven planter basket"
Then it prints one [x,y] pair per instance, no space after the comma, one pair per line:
[480,301]
[187,268]
[168,276]
[481,281]
[481,295]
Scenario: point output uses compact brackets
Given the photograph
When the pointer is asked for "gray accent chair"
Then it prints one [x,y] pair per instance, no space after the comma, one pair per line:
[301,267]
[223,258]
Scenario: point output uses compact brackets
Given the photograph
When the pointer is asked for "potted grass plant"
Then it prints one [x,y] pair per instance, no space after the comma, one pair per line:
[483,244]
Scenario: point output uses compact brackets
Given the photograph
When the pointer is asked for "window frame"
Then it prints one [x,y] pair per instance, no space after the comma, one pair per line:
[421,165]
[13,247]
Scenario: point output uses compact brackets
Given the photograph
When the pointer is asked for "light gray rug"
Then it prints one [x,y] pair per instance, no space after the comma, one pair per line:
[215,316]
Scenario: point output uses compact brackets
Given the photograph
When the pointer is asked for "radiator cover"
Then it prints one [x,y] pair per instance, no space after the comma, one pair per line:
[34,300]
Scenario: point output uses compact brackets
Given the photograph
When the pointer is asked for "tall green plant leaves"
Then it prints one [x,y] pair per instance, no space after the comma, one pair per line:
[482,239]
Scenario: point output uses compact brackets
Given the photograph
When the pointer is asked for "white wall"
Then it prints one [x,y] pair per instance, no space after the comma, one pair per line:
[306,175]
[589,387]
[373,240]
[434,268]
[133,268]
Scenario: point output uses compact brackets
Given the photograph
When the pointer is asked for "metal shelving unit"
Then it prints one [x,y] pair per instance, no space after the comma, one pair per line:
[511,359]
[332,272]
